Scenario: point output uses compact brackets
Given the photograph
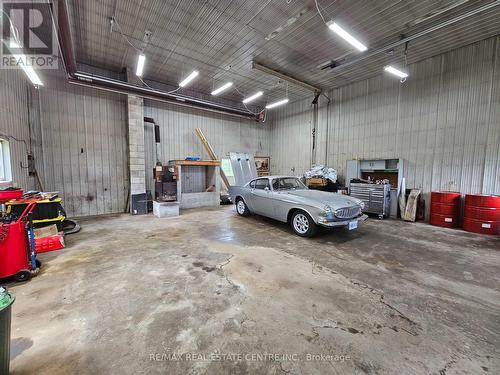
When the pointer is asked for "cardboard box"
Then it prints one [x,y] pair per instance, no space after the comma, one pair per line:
[48,231]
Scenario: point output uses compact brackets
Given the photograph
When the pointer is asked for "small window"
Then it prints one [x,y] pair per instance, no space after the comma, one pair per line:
[262,183]
[252,184]
[288,183]
[227,168]
[276,184]
[5,168]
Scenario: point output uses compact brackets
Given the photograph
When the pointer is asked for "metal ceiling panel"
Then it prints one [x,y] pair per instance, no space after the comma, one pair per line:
[221,38]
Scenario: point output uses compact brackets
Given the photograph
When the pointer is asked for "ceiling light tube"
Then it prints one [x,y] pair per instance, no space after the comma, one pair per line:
[346,36]
[222,88]
[253,97]
[30,72]
[140,65]
[22,61]
[276,104]
[396,72]
[189,78]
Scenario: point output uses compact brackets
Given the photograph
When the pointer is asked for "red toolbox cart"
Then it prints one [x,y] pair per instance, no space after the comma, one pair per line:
[17,242]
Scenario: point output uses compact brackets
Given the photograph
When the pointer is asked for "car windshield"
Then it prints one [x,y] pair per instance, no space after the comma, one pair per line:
[288,183]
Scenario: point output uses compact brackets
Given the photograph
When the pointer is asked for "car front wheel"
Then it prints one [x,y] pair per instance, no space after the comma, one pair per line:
[242,208]
[302,224]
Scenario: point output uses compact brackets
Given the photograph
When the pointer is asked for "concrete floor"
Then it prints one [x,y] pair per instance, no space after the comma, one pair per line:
[213,293]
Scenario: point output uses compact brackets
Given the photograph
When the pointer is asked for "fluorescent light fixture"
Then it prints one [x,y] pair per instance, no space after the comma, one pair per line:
[23,63]
[189,78]
[29,71]
[222,88]
[253,97]
[395,71]
[276,104]
[346,36]
[140,65]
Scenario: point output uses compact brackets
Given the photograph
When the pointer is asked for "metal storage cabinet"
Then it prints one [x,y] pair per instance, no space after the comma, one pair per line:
[376,197]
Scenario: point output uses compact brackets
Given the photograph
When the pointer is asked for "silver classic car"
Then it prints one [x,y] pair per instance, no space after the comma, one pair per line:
[287,199]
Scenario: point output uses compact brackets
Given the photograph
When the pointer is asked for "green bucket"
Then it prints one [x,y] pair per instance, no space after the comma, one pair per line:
[6,301]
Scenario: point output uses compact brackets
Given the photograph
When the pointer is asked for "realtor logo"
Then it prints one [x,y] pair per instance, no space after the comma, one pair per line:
[28,34]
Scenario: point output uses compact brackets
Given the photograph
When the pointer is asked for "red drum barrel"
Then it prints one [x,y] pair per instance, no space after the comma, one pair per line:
[445,209]
[482,213]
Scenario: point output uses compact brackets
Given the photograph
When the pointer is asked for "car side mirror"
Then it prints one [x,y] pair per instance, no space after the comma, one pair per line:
[266,188]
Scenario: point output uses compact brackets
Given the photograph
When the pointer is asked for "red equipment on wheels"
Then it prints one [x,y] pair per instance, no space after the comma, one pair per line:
[16,250]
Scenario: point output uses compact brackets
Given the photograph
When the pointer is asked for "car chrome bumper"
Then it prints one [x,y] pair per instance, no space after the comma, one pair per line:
[343,223]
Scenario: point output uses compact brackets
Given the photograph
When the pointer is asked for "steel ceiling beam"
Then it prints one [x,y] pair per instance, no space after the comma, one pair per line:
[121,87]
[420,34]
[64,38]
[285,77]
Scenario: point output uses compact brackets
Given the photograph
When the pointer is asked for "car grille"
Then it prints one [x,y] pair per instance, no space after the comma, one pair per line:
[348,212]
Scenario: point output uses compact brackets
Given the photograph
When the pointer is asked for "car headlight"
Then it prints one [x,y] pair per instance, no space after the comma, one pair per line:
[328,211]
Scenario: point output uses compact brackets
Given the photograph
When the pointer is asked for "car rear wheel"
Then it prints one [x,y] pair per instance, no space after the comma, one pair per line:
[302,224]
[242,208]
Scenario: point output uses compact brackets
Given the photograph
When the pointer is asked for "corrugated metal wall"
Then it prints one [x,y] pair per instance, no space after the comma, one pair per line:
[15,100]
[178,138]
[194,179]
[491,174]
[445,121]
[291,138]
[84,134]
[225,133]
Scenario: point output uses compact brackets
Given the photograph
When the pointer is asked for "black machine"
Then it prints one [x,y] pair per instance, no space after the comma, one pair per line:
[165,183]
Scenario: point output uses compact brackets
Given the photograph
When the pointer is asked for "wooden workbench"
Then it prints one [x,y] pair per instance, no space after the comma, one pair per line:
[197,163]
[198,183]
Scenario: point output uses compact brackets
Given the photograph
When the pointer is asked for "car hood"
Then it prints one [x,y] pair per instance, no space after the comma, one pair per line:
[320,199]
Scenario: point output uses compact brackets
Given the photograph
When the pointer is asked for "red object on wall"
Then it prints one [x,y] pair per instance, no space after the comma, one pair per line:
[482,213]
[51,243]
[445,209]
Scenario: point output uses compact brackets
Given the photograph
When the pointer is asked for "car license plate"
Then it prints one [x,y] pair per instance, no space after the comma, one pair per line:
[353,225]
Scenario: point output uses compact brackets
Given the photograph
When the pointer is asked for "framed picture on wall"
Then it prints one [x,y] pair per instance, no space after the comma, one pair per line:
[262,163]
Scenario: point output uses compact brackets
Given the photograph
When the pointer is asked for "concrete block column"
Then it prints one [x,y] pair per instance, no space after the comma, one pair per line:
[138,198]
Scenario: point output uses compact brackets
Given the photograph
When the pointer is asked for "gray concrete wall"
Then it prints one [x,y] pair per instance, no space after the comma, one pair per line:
[444,120]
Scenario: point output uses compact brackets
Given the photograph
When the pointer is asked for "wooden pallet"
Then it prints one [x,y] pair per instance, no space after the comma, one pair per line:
[316,181]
